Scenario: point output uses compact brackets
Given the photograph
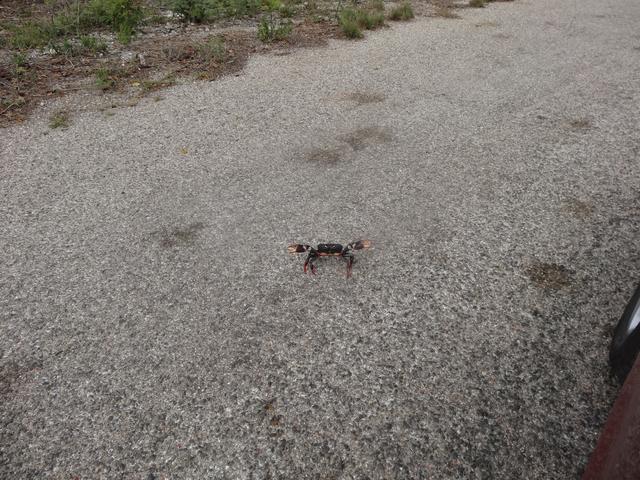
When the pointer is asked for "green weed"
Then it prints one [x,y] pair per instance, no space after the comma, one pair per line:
[213,49]
[59,120]
[104,79]
[121,16]
[200,11]
[93,44]
[352,21]
[154,85]
[271,27]
[377,5]
[402,12]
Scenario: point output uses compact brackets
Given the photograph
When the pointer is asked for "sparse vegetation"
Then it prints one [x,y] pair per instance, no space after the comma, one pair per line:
[59,120]
[213,50]
[75,18]
[20,64]
[445,12]
[154,85]
[349,25]
[402,12]
[286,10]
[123,16]
[377,5]
[74,39]
[353,21]
[93,44]
[200,11]
[271,27]
[104,80]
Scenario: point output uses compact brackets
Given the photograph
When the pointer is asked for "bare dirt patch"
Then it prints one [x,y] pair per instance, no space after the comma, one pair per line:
[578,208]
[12,373]
[178,236]
[551,276]
[362,137]
[365,98]
[325,156]
[580,123]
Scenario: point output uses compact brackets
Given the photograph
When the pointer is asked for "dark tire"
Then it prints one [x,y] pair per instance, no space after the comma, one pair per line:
[626,339]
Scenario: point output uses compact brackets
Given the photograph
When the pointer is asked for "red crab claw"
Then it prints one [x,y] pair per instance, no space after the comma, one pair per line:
[362,244]
[349,267]
[297,248]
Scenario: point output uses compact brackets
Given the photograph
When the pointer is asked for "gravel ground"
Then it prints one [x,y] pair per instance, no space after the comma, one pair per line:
[153,326]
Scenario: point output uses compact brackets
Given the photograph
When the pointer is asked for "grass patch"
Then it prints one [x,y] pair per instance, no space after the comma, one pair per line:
[403,12]
[271,27]
[213,50]
[155,85]
[477,3]
[59,120]
[286,10]
[376,5]
[349,26]
[93,44]
[122,16]
[445,12]
[78,17]
[19,63]
[353,21]
[200,11]
[104,79]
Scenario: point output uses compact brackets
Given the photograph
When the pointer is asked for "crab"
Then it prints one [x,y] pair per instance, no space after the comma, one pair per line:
[329,250]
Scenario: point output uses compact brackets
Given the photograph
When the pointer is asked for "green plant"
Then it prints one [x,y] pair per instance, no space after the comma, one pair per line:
[154,85]
[123,16]
[20,64]
[104,80]
[191,10]
[445,12]
[477,3]
[93,44]
[65,48]
[200,11]
[349,23]
[59,120]
[213,49]
[19,60]
[369,20]
[377,5]
[352,21]
[270,27]
[404,11]
[286,10]
[29,35]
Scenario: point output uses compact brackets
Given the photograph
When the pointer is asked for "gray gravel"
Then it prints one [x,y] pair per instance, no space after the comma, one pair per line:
[153,326]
